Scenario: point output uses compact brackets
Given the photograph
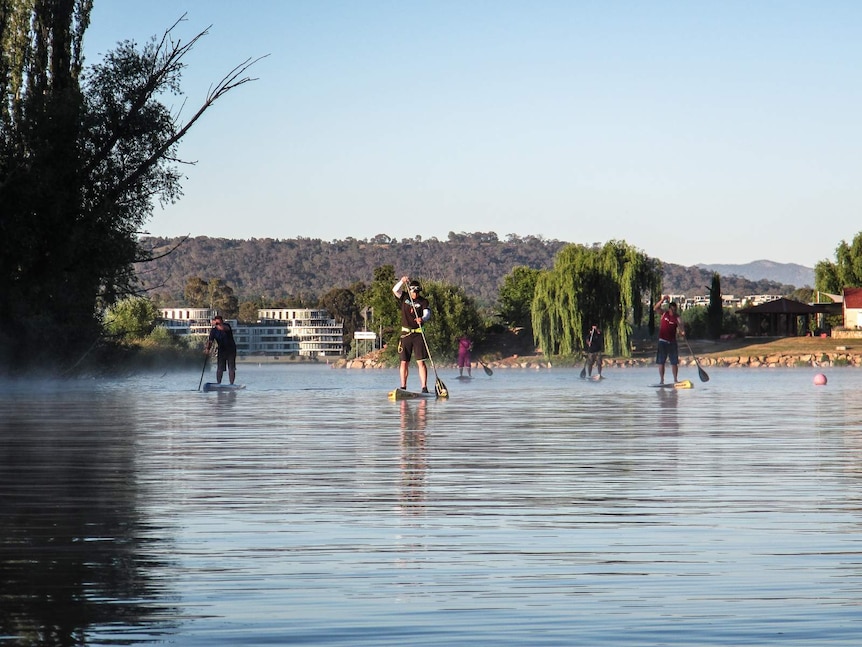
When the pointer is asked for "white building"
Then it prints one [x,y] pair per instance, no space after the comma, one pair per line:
[279,331]
[188,321]
[317,332]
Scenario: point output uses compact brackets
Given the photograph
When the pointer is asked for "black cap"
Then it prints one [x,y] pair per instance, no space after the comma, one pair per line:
[414,286]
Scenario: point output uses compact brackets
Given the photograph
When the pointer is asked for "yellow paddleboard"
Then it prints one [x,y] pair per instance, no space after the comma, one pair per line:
[403,394]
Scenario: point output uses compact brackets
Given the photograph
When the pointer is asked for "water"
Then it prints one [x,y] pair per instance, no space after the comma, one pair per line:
[531,508]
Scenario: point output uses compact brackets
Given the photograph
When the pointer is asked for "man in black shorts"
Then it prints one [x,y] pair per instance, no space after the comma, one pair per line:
[415,311]
[595,348]
[222,334]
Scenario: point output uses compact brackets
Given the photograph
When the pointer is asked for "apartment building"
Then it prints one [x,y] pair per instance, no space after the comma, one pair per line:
[278,332]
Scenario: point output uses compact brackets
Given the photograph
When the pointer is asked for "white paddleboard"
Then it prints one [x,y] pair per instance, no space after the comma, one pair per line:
[215,386]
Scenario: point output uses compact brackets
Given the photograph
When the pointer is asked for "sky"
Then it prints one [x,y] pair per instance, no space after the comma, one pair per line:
[697,132]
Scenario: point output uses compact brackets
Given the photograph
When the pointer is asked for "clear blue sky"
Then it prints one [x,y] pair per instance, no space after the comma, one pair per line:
[699,132]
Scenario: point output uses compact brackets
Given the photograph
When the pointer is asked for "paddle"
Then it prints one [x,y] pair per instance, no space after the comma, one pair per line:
[439,388]
[203,370]
[700,372]
[487,370]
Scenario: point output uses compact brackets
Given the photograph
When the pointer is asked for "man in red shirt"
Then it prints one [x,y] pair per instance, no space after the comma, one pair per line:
[671,324]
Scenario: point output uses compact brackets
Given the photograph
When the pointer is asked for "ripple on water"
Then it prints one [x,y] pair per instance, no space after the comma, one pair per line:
[529,508]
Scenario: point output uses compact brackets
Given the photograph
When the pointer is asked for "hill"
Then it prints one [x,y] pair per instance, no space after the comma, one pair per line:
[308,268]
[789,273]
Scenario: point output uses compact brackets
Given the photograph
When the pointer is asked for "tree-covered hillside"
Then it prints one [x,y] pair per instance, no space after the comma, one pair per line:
[308,268]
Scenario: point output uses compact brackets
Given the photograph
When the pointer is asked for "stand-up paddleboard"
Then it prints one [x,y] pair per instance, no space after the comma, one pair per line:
[215,386]
[464,377]
[682,384]
[404,394]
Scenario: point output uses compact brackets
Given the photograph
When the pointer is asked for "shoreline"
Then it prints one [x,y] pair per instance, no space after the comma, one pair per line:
[747,352]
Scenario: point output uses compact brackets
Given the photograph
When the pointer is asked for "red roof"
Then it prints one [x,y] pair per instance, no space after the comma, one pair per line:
[853,297]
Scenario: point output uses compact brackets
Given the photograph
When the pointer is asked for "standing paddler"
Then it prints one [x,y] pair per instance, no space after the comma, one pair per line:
[222,335]
[668,350]
[415,311]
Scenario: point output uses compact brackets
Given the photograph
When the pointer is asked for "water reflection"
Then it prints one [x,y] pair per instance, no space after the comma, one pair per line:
[75,550]
[668,404]
[531,508]
[414,463]
[225,400]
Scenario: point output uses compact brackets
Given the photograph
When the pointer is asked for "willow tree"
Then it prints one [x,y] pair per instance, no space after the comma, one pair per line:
[604,285]
[85,152]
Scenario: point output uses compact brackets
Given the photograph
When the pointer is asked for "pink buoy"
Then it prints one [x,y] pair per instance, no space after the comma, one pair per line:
[820,379]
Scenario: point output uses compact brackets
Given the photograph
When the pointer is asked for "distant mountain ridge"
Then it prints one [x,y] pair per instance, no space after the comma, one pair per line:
[307,268]
[786,273]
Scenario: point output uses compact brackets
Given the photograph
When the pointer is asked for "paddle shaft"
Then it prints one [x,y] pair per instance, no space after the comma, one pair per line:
[203,370]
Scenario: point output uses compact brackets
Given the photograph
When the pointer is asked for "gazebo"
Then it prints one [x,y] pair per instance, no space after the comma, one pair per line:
[780,318]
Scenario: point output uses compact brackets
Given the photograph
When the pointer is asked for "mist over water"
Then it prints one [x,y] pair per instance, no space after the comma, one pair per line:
[530,508]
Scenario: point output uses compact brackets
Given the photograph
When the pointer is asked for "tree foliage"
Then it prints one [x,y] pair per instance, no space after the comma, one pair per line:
[248,312]
[84,153]
[715,309]
[603,285]
[303,269]
[846,271]
[131,318]
[516,297]
[384,314]
[214,294]
[697,321]
[342,305]
[453,314]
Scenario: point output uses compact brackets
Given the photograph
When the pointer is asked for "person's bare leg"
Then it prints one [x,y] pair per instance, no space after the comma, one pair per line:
[423,374]
[404,371]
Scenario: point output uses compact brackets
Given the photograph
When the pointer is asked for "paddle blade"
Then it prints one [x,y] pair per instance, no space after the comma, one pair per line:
[583,372]
[702,374]
[440,389]
[488,371]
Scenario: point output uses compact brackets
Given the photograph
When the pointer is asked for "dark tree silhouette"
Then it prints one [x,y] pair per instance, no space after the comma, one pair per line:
[84,153]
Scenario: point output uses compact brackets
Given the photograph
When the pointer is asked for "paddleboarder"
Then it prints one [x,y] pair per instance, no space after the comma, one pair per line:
[222,334]
[415,311]
[595,348]
[668,350]
[465,345]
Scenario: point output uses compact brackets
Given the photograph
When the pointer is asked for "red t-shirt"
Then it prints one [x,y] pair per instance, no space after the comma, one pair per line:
[669,324]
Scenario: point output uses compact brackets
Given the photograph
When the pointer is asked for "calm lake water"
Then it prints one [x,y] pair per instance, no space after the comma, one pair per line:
[531,508]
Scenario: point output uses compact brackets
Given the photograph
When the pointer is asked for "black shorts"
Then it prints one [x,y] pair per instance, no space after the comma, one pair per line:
[412,343]
[226,359]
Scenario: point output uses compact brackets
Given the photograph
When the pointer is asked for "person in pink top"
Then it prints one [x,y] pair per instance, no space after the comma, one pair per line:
[668,350]
[465,345]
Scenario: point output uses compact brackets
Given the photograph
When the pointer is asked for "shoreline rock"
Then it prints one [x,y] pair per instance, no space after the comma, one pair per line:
[539,362]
